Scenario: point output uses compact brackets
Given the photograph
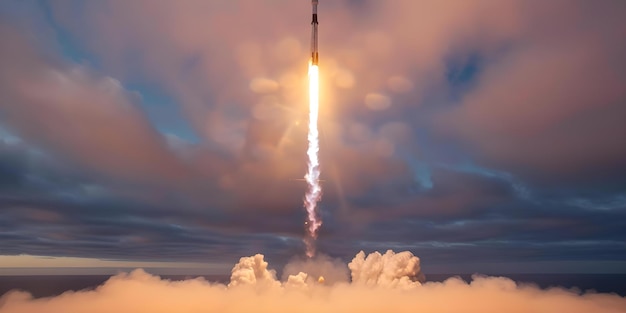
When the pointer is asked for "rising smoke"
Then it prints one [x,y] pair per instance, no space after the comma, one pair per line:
[380,283]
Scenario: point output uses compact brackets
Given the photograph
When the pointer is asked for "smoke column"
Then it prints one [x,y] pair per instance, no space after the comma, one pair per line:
[314,191]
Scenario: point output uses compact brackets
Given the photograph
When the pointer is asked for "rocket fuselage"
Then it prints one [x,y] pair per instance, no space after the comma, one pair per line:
[314,23]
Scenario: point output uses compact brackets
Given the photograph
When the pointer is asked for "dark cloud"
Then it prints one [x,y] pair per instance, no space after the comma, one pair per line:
[473,130]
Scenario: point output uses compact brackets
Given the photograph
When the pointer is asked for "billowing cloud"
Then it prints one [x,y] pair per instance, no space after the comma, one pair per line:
[139,291]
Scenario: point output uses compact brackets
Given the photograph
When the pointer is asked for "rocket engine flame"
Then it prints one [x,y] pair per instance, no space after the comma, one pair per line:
[314,191]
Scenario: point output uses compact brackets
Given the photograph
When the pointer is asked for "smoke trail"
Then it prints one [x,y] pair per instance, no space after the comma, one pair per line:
[314,192]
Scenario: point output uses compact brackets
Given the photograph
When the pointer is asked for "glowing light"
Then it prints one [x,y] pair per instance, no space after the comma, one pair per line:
[314,191]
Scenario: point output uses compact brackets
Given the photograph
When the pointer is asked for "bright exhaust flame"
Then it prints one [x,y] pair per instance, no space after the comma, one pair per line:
[314,192]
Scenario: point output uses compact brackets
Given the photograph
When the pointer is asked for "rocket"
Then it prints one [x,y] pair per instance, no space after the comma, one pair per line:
[314,52]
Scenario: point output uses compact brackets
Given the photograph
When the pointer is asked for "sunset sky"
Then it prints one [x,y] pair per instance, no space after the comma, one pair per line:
[482,136]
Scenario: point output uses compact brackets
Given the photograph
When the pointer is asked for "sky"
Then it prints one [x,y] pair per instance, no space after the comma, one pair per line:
[482,136]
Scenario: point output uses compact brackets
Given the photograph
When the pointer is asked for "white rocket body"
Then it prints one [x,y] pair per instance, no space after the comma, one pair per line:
[314,23]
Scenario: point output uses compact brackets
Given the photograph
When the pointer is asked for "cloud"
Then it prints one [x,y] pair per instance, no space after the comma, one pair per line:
[411,93]
[253,271]
[332,270]
[139,291]
[542,80]
[389,270]
[89,119]
[551,109]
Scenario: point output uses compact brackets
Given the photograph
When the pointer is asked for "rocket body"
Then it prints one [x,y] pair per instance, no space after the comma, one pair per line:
[314,51]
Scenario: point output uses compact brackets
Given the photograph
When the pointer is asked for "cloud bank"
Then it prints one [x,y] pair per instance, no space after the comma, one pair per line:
[381,283]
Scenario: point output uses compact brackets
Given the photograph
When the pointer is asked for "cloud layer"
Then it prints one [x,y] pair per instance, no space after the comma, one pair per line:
[253,288]
[176,130]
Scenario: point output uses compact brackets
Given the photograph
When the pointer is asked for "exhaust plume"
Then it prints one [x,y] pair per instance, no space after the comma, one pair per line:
[314,191]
